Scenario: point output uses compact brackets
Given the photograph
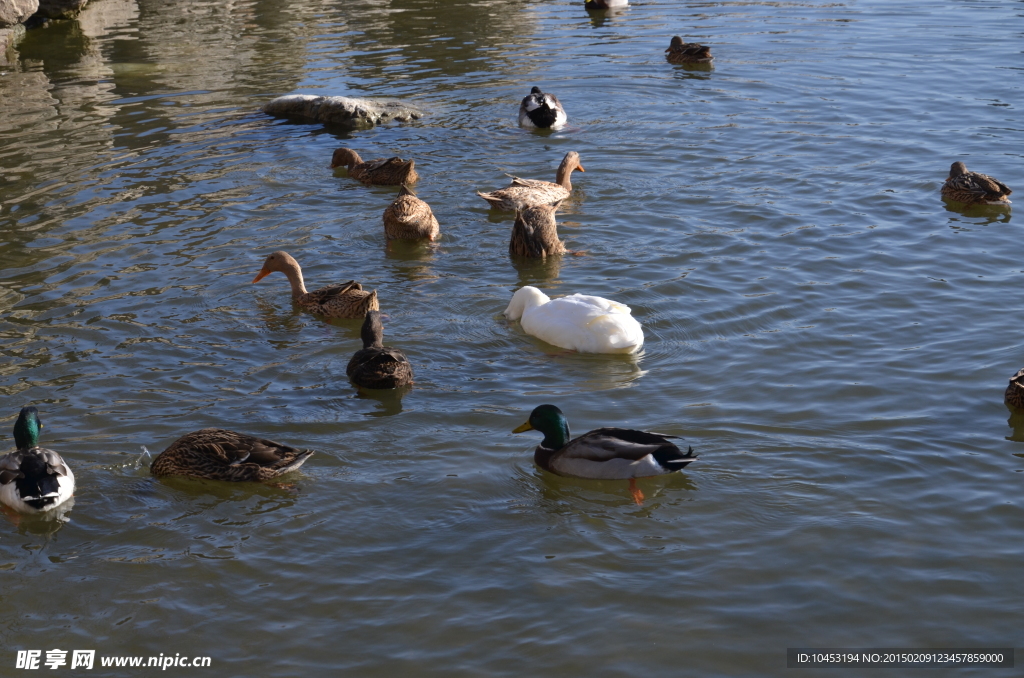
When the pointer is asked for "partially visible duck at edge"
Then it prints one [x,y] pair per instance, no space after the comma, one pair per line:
[33,479]
[1014,394]
[605,453]
[219,454]
[973,188]
[535,233]
[680,52]
[523,193]
[541,110]
[376,365]
[409,218]
[604,4]
[338,301]
[382,171]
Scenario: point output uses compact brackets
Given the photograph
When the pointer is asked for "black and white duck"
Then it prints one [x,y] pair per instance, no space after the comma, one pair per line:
[33,479]
[541,110]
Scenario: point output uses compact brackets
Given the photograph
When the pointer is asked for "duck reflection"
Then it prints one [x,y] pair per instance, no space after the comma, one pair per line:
[558,490]
[992,214]
[693,71]
[45,524]
[389,401]
[1015,422]
[537,272]
[599,17]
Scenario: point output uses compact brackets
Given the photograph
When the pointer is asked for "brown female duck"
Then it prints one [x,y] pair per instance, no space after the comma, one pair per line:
[218,454]
[409,218]
[972,188]
[680,52]
[535,233]
[339,301]
[377,365]
[382,171]
[523,193]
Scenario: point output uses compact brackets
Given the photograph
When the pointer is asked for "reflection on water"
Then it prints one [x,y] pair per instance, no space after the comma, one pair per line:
[747,216]
[45,524]
[1016,422]
[992,214]
[389,401]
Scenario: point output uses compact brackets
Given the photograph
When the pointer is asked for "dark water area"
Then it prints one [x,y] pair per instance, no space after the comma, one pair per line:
[831,337]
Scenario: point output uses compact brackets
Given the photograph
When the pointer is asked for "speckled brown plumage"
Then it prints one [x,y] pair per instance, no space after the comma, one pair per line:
[1014,394]
[523,193]
[348,300]
[218,454]
[535,233]
[377,365]
[382,171]
[680,52]
[972,188]
[409,218]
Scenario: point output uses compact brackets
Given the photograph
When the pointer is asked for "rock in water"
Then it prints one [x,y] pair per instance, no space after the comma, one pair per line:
[60,9]
[14,12]
[341,110]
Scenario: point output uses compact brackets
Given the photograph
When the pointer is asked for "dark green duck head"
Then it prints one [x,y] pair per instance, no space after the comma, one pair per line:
[26,429]
[550,421]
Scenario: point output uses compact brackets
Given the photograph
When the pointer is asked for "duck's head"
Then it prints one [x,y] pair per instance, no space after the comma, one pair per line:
[26,429]
[279,261]
[523,300]
[677,43]
[571,162]
[956,169]
[550,421]
[345,157]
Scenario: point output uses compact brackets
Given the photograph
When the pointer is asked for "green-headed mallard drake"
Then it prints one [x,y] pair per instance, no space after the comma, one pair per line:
[409,218]
[338,301]
[218,454]
[382,171]
[33,479]
[604,453]
[523,193]
[680,52]
[972,188]
[541,110]
[377,365]
[604,4]
[535,233]
[1014,394]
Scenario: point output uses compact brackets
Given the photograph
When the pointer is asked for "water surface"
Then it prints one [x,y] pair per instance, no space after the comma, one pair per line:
[831,338]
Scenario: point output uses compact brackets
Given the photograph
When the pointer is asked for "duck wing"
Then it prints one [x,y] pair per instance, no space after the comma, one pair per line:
[620,453]
[327,294]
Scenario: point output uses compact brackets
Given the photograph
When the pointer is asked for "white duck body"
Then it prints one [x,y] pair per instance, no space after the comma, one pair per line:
[35,480]
[579,322]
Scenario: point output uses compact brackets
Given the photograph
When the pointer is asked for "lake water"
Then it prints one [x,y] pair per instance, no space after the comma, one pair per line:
[831,338]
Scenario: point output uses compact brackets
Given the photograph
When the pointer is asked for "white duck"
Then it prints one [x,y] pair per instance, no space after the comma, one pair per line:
[578,322]
[33,479]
